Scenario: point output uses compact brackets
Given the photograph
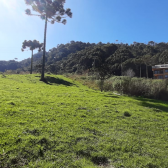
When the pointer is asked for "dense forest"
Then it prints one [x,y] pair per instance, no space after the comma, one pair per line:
[83,57]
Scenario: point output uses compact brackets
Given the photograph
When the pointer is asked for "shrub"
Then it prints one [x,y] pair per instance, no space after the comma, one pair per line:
[83,77]
[150,88]
[100,84]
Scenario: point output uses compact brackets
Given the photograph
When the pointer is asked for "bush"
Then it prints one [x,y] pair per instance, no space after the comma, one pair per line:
[100,84]
[83,77]
[150,88]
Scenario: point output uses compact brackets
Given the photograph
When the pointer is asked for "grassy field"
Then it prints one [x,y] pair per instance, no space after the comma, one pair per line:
[65,124]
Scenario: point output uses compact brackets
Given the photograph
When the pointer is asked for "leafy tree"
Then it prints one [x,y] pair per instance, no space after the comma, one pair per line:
[121,55]
[163,57]
[52,11]
[32,45]
[152,43]
[101,65]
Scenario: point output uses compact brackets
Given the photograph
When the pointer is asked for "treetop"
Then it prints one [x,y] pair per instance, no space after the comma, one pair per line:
[52,9]
[32,45]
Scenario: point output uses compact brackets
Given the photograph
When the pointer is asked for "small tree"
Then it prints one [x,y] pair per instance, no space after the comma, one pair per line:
[101,66]
[104,72]
[52,11]
[32,45]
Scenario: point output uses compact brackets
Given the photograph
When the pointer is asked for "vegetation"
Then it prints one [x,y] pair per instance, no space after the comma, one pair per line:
[118,57]
[32,45]
[79,57]
[62,123]
[50,11]
[67,122]
[139,87]
[149,88]
[9,65]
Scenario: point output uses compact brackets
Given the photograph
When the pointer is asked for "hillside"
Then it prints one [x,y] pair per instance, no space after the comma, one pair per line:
[62,123]
[20,65]
[79,57]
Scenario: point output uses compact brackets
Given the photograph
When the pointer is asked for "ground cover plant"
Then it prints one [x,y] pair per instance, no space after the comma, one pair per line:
[62,123]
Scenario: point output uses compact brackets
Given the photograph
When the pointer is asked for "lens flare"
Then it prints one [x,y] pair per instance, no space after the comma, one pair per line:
[10,4]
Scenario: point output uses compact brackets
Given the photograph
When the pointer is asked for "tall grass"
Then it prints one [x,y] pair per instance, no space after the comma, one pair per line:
[150,88]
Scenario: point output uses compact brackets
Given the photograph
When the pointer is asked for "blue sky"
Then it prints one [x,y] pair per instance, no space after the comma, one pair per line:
[93,21]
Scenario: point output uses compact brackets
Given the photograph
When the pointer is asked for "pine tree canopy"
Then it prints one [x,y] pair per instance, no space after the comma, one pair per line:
[52,9]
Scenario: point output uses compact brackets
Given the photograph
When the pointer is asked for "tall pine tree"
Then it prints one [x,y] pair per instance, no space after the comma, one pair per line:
[32,45]
[51,11]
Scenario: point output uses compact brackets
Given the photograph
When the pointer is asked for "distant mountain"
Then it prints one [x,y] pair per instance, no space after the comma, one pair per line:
[36,59]
[6,65]
[54,55]
[24,64]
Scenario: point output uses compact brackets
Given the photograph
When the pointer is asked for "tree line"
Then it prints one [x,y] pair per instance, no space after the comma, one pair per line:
[107,59]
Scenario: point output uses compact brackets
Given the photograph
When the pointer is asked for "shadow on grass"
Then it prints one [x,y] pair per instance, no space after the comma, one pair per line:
[112,96]
[52,80]
[151,103]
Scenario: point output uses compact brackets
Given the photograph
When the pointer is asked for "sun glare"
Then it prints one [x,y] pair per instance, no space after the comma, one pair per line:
[10,4]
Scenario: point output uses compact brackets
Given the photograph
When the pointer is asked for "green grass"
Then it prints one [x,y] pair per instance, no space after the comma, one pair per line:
[65,124]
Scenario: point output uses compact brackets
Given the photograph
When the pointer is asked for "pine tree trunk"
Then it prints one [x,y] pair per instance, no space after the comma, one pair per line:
[44,50]
[140,70]
[121,65]
[146,71]
[101,84]
[31,70]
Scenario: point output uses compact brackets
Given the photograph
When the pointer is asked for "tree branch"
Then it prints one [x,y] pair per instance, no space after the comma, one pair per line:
[60,16]
[34,15]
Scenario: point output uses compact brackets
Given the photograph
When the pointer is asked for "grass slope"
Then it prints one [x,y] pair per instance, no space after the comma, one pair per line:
[64,124]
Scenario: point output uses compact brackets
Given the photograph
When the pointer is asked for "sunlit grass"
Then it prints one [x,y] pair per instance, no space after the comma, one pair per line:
[65,124]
